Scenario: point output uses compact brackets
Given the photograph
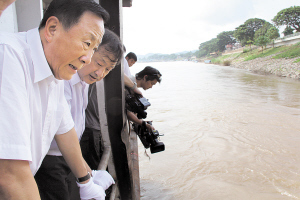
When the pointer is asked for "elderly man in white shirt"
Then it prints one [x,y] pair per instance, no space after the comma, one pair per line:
[32,105]
[53,173]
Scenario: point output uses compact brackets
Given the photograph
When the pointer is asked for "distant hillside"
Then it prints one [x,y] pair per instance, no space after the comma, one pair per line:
[159,57]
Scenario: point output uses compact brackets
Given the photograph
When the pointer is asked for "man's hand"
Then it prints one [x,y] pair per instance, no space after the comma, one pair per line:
[137,91]
[90,190]
[102,178]
[150,127]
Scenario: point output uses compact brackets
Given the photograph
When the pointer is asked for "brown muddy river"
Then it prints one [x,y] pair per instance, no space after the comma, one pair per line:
[229,134]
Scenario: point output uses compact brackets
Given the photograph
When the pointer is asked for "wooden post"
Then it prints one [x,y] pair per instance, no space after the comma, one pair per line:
[114,101]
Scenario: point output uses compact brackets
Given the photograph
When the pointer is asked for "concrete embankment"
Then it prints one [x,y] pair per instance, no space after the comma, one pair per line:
[266,65]
[281,67]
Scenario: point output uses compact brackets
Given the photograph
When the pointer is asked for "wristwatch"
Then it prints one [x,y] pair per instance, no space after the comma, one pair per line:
[84,178]
[134,86]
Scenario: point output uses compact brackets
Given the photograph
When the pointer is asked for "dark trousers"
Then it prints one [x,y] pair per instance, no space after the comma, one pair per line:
[55,180]
[92,150]
[91,147]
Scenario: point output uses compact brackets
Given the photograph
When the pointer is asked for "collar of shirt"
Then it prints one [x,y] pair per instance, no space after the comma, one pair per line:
[76,79]
[40,65]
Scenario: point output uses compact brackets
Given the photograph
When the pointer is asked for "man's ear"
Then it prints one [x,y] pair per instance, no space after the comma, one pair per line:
[145,77]
[51,27]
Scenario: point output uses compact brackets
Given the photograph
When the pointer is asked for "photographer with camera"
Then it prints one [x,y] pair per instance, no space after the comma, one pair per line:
[145,79]
[136,105]
[90,142]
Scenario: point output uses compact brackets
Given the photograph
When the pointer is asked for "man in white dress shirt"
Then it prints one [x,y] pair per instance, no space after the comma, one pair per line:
[128,61]
[33,109]
[52,177]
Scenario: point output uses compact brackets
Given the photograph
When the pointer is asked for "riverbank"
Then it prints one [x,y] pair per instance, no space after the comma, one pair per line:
[281,61]
[284,67]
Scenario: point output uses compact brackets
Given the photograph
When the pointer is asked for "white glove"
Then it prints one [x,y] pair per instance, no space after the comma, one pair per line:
[90,190]
[102,178]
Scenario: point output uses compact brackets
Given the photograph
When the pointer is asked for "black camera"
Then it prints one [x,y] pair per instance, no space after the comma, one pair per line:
[137,104]
[149,138]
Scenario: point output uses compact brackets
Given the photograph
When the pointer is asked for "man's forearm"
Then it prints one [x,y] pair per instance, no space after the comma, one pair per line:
[88,167]
[68,144]
[128,82]
[17,181]
[132,117]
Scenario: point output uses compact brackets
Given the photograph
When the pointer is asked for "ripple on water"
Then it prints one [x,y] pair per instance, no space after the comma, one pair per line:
[229,134]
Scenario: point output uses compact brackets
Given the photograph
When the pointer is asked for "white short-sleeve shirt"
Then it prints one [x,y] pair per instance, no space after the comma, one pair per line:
[32,104]
[132,78]
[126,67]
[76,93]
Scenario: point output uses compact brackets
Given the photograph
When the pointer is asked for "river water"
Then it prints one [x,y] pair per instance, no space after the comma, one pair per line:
[229,134]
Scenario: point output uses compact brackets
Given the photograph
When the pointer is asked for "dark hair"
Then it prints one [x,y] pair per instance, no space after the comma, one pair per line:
[112,43]
[151,73]
[69,12]
[131,55]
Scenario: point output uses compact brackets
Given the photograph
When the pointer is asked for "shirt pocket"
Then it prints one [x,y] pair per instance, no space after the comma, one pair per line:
[56,121]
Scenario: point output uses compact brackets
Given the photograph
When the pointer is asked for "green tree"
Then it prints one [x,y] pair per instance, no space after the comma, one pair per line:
[272,34]
[249,42]
[246,31]
[240,34]
[289,17]
[262,41]
[288,31]
[173,56]
[208,47]
[224,38]
[263,30]
[201,53]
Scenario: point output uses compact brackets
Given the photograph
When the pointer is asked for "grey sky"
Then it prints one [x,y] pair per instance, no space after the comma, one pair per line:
[170,26]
